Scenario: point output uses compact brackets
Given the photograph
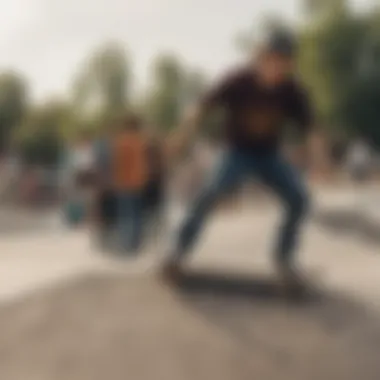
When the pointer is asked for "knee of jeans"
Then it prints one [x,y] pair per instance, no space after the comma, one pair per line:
[204,203]
[299,204]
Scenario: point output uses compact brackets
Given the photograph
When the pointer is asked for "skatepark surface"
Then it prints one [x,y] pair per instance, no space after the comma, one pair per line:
[66,312]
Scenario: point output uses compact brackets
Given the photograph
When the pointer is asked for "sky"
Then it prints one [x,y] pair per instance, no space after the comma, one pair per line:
[48,40]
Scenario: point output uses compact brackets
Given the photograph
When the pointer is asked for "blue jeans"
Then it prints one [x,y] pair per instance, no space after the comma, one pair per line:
[273,170]
[130,221]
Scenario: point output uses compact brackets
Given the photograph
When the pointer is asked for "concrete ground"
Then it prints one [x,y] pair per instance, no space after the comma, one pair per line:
[68,313]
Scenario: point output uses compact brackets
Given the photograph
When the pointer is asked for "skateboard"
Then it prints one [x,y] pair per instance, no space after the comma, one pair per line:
[235,285]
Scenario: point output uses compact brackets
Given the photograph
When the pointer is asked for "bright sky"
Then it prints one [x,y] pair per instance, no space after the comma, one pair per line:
[48,39]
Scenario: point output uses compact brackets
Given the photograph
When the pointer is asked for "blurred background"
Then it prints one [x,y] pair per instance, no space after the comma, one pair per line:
[68,70]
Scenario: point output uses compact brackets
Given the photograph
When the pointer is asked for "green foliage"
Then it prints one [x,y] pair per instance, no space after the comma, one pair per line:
[13,105]
[329,61]
[44,148]
[173,87]
[111,76]
[195,85]
[340,60]
[42,136]
[164,102]
[102,88]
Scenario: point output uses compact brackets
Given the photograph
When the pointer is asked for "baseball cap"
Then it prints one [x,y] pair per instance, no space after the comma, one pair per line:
[282,42]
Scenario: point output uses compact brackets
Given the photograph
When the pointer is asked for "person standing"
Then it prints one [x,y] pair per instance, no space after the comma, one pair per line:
[130,179]
[258,101]
[360,167]
[105,197]
[79,178]
[154,196]
[359,161]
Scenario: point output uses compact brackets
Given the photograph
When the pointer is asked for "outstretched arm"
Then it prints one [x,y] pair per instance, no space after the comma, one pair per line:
[218,96]
[181,138]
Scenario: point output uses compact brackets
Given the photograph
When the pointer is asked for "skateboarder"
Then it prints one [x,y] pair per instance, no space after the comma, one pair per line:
[258,101]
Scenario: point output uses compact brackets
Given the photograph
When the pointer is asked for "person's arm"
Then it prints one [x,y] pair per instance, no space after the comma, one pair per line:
[217,96]
[180,139]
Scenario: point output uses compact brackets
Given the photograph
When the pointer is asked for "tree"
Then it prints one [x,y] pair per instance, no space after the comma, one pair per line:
[101,90]
[323,8]
[194,86]
[13,105]
[166,96]
[329,59]
[360,108]
[339,61]
[42,137]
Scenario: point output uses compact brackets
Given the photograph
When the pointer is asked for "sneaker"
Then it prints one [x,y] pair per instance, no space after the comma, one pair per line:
[171,271]
[292,283]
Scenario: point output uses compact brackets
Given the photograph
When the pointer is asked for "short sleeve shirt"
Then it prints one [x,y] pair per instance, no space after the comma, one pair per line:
[254,115]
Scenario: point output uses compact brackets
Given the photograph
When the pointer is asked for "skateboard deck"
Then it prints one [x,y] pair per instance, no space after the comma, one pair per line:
[255,286]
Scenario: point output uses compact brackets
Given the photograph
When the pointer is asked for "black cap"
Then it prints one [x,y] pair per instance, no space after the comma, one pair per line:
[281,42]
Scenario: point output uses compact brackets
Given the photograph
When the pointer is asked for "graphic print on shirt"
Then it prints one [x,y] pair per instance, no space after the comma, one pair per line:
[262,120]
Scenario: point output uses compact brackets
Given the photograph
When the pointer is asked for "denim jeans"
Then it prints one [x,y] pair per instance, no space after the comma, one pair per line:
[234,167]
[107,217]
[130,220]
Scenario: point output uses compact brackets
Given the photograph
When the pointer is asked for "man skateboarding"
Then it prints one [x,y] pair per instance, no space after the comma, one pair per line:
[258,101]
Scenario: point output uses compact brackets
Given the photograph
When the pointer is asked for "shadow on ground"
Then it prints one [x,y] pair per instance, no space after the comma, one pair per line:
[350,222]
[214,328]
[238,286]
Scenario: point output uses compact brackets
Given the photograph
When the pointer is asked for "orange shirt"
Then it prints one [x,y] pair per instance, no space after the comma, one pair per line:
[130,161]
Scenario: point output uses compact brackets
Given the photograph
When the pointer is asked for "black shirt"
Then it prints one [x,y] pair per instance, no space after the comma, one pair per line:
[255,116]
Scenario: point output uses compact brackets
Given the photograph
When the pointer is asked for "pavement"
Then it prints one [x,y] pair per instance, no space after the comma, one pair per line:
[69,313]
[48,253]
